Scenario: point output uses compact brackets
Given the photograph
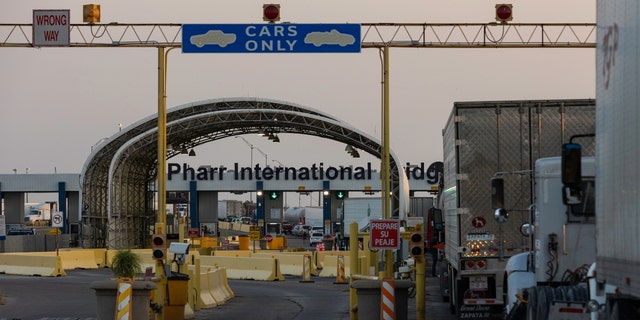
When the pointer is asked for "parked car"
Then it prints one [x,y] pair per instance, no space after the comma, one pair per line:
[287,227]
[316,237]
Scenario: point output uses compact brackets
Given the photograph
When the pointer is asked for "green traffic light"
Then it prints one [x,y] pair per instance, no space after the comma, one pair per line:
[273,195]
[341,194]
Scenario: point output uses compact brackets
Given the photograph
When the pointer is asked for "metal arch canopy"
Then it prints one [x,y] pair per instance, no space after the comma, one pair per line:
[117,175]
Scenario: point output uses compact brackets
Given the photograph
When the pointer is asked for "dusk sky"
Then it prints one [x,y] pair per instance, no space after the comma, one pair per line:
[57,103]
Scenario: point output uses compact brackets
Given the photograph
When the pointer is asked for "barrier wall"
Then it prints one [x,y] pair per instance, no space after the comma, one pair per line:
[319,256]
[29,264]
[290,263]
[331,266]
[266,269]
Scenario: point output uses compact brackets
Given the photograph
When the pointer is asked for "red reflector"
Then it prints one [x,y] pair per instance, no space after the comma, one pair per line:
[570,310]
[469,264]
[480,264]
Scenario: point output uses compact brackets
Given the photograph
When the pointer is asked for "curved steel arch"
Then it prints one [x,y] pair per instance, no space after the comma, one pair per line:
[118,178]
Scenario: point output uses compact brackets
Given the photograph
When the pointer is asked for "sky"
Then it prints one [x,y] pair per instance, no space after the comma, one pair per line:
[56,103]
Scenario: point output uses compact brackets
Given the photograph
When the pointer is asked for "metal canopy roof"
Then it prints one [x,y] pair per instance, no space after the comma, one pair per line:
[118,178]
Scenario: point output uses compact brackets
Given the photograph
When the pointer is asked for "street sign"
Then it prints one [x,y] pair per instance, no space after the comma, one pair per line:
[385,234]
[51,28]
[268,237]
[254,233]
[56,220]
[193,233]
[270,38]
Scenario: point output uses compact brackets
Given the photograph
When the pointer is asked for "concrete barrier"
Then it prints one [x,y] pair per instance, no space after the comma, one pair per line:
[319,256]
[216,286]
[82,258]
[290,263]
[231,253]
[29,264]
[225,282]
[266,269]
[331,266]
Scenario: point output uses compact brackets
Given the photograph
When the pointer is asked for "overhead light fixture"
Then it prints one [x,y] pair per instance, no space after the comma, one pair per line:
[192,153]
[352,151]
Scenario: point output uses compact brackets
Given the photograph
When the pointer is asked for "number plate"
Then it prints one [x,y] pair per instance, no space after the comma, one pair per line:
[478,283]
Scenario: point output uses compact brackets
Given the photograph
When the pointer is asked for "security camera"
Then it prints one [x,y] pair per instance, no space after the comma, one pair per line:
[179,248]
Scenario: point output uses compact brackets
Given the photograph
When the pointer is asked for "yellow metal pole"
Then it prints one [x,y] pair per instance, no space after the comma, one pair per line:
[386,169]
[353,269]
[161,219]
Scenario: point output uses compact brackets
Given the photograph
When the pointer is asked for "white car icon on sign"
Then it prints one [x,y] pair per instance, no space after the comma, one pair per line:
[330,37]
[213,37]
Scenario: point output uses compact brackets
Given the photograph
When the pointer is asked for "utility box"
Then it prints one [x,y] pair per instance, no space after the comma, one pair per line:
[177,288]
[369,294]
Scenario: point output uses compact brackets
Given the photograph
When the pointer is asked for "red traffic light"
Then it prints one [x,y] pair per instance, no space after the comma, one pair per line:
[504,12]
[271,12]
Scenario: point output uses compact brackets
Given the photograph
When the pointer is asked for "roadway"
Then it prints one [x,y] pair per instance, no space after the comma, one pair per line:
[50,298]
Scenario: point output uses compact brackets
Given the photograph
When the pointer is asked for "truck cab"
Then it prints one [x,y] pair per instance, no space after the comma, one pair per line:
[549,282]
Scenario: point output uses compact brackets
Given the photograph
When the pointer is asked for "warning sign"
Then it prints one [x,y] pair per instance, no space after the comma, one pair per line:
[385,234]
[51,28]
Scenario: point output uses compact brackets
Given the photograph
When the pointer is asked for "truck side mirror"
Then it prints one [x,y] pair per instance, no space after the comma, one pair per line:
[497,193]
[571,164]
[436,217]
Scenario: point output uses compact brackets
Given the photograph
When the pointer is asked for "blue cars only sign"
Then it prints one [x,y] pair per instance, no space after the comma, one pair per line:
[270,38]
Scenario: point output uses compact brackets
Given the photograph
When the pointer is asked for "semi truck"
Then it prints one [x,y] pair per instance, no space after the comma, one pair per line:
[481,140]
[552,280]
[618,158]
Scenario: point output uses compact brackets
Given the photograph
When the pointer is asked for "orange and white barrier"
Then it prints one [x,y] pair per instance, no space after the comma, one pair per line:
[388,300]
[340,271]
[306,268]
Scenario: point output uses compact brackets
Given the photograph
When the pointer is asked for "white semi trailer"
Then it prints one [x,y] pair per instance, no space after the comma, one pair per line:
[618,157]
[480,140]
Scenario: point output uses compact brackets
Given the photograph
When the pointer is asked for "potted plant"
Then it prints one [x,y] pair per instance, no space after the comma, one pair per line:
[124,264]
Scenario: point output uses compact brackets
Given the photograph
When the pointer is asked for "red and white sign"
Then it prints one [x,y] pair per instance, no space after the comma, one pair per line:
[51,28]
[193,233]
[385,234]
[268,237]
[478,222]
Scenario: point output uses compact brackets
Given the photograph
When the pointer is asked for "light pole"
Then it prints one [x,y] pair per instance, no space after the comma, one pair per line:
[251,147]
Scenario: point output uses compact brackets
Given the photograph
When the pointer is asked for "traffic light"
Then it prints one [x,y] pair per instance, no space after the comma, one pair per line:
[159,246]
[271,12]
[504,12]
[341,195]
[274,195]
[416,245]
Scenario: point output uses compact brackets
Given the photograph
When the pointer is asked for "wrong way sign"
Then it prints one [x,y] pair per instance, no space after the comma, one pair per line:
[385,234]
[51,28]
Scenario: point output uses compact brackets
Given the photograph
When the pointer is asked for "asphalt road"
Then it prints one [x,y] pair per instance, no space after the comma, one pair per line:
[70,297]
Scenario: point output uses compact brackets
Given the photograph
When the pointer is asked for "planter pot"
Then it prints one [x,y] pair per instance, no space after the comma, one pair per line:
[106,293]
